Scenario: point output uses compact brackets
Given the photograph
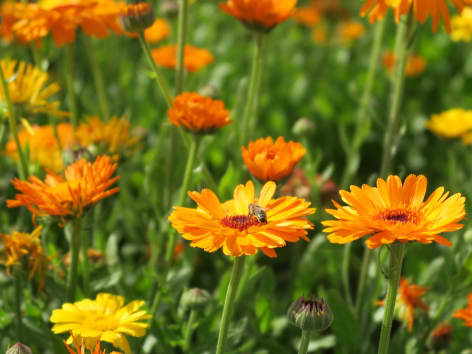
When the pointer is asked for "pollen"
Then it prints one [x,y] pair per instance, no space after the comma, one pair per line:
[398,216]
[240,222]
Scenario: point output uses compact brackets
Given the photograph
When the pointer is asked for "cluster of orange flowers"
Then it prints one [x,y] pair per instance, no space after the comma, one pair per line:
[415,64]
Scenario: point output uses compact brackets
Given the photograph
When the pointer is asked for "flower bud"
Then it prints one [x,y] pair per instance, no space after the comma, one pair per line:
[137,17]
[310,314]
[169,9]
[303,127]
[19,348]
[195,298]
[210,91]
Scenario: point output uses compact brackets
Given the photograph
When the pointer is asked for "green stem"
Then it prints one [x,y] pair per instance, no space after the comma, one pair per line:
[306,335]
[362,279]
[18,300]
[362,116]
[345,273]
[397,252]
[98,80]
[23,167]
[70,84]
[256,71]
[74,259]
[229,301]
[394,117]
[85,264]
[195,141]
[181,41]
[157,74]
[189,330]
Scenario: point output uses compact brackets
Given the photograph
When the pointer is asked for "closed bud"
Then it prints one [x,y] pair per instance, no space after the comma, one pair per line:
[169,9]
[19,348]
[195,298]
[303,127]
[310,314]
[137,17]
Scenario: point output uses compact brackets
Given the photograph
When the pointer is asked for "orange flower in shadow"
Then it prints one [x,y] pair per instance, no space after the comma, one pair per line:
[83,185]
[466,313]
[194,58]
[422,9]
[308,16]
[260,14]
[409,299]
[395,212]
[198,113]
[269,161]
[415,64]
[232,227]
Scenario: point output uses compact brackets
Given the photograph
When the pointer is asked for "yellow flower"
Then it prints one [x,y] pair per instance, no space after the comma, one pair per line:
[272,161]
[105,319]
[18,246]
[28,88]
[422,9]
[43,146]
[114,135]
[260,14]
[83,185]
[198,113]
[461,26]
[235,225]
[395,212]
[454,123]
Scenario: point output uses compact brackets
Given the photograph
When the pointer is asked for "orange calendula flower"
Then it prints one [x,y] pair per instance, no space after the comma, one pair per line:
[395,212]
[83,185]
[451,124]
[422,9]
[269,161]
[466,313]
[194,58]
[350,30]
[308,16]
[63,17]
[409,299]
[157,32]
[28,88]
[245,224]
[106,318]
[415,64]
[260,14]
[19,246]
[42,144]
[198,113]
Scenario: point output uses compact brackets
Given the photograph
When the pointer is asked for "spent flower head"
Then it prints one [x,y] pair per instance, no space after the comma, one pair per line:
[310,314]
[245,224]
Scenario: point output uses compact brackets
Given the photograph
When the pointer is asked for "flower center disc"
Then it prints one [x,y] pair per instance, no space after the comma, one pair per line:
[398,216]
[100,322]
[240,222]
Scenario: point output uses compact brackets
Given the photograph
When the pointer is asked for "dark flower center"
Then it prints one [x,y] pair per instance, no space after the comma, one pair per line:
[398,216]
[240,222]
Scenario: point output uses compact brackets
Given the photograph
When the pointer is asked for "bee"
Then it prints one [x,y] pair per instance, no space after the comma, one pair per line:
[258,212]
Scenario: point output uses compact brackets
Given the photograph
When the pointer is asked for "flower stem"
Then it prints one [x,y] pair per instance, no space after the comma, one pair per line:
[189,330]
[229,301]
[181,41]
[195,141]
[394,117]
[157,74]
[345,273]
[85,264]
[18,300]
[362,115]
[397,252]
[23,167]
[254,85]
[74,262]
[362,279]
[306,335]
[98,80]
[70,84]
